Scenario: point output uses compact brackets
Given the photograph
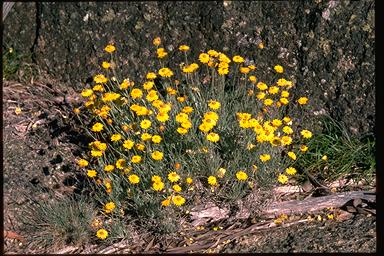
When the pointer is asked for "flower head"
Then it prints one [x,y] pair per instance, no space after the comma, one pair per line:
[290,171]
[173,177]
[278,69]
[240,175]
[178,200]
[102,234]
[110,48]
[157,155]
[212,180]
[133,178]
[282,178]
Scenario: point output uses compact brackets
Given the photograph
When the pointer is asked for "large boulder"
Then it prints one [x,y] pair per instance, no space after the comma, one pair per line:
[327,47]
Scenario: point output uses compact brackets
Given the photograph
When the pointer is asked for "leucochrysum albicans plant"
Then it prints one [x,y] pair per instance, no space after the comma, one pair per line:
[208,126]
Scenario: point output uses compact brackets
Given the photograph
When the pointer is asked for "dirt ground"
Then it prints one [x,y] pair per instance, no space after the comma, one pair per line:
[39,148]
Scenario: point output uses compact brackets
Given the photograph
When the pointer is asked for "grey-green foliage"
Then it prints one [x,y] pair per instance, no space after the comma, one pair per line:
[57,222]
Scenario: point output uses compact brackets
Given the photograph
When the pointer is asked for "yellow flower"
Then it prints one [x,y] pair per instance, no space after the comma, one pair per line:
[149,85]
[146,136]
[187,110]
[189,180]
[110,96]
[156,139]
[91,173]
[115,137]
[100,79]
[176,188]
[212,180]
[213,53]
[325,157]
[260,95]
[96,153]
[268,102]
[265,157]
[240,175]
[238,59]
[125,84]
[276,122]
[128,144]
[287,119]
[262,86]
[211,115]
[260,45]
[165,72]
[109,168]
[136,93]
[213,137]
[140,147]
[82,163]
[158,185]
[284,94]
[120,164]
[186,124]
[292,155]
[97,127]
[110,48]
[253,79]
[181,117]
[156,178]
[244,70]
[156,41]
[136,159]
[223,71]
[279,69]
[86,92]
[145,124]
[214,104]
[183,48]
[273,89]
[161,53]
[181,99]
[306,134]
[102,234]
[224,58]
[133,178]
[108,208]
[221,172]
[106,65]
[204,58]
[151,76]
[173,177]
[182,130]
[303,148]
[252,67]
[166,202]
[178,200]
[157,155]
[162,117]
[290,171]
[302,100]
[286,140]
[287,130]
[282,178]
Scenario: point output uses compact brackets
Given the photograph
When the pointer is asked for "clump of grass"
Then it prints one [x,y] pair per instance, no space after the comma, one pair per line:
[335,153]
[58,222]
[207,128]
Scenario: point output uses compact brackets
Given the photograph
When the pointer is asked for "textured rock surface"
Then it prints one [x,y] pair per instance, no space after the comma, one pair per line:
[327,46]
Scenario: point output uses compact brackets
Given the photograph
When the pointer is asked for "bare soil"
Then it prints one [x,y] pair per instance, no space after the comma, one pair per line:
[41,142]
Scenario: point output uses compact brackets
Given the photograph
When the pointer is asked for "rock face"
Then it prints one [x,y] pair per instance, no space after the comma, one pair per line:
[327,47]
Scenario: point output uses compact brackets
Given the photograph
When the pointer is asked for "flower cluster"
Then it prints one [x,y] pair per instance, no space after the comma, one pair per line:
[200,131]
